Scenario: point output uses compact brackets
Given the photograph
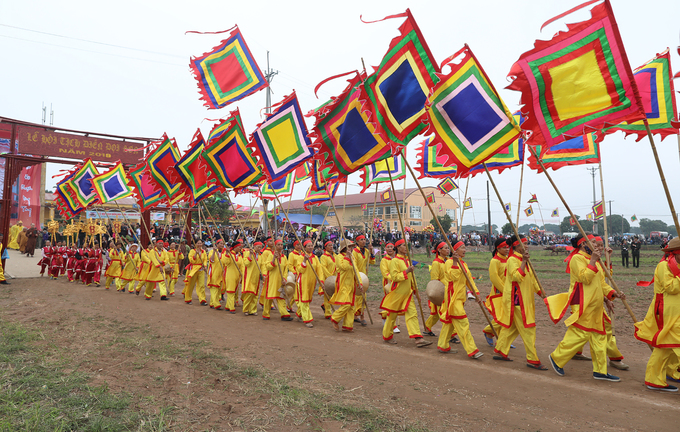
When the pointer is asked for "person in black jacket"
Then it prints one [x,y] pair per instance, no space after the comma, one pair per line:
[635,247]
[624,253]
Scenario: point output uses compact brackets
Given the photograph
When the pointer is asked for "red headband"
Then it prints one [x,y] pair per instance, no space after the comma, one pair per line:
[439,246]
[258,244]
[399,242]
[583,239]
[329,242]
[296,242]
[305,242]
[516,242]
[361,237]
[458,245]
[278,241]
[389,243]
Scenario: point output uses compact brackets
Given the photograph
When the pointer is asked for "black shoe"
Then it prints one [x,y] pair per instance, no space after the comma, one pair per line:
[454,340]
[288,318]
[164,298]
[429,333]
[5,283]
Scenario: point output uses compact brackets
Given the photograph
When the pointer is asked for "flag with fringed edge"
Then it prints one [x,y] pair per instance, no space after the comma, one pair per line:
[313,197]
[511,156]
[282,186]
[321,177]
[533,199]
[160,163]
[467,204]
[555,213]
[81,183]
[112,185]
[227,73]
[344,134]
[559,107]
[386,196]
[401,84]
[467,115]
[598,210]
[146,195]
[447,186]
[67,204]
[192,173]
[302,172]
[430,198]
[229,156]
[430,162]
[529,211]
[654,80]
[576,151]
[379,172]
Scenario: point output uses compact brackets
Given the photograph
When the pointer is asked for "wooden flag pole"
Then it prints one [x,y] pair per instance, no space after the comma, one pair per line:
[607,259]
[583,233]
[519,199]
[212,238]
[514,228]
[414,284]
[462,212]
[375,201]
[663,178]
[357,280]
[448,242]
[233,258]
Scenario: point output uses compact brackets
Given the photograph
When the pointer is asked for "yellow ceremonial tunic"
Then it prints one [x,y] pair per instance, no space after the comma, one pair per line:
[515,310]
[386,279]
[129,272]
[305,285]
[195,275]
[156,275]
[250,283]
[2,272]
[217,264]
[361,258]
[232,278]
[115,267]
[14,236]
[452,312]
[497,267]
[327,262]
[345,293]
[274,281]
[661,326]
[143,269]
[265,257]
[400,299]
[174,257]
[437,272]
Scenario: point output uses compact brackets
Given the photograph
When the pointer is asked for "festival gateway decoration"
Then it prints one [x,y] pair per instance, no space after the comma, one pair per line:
[112,185]
[578,82]
[430,162]
[313,197]
[283,187]
[146,195]
[280,143]
[227,73]
[576,151]
[229,156]
[191,171]
[467,115]
[399,87]
[447,185]
[655,85]
[379,172]
[159,163]
[344,134]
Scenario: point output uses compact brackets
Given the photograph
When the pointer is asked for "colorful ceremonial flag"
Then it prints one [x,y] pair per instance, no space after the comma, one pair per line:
[447,185]
[160,163]
[321,177]
[578,82]
[227,73]
[280,142]
[467,204]
[467,115]
[511,156]
[555,213]
[386,196]
[533,199]
[440,208]
[379,172]
[229,156]
[576,151]
[282,186]
[430,197]
[224,125]
[146,194]
[589,216]
[429,162]
[529,211]
[302,172]
[112,185]
[192,173]
[598,210]
[81,183]
[572,221]
[508,207]
[345,135]
[654,80]
[67,204]
[364,206]
[633,218]
[401,83]
[317,197]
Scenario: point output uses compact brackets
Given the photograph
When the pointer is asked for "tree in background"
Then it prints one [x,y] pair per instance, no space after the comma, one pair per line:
[219,207]
[445,222]
[648,225]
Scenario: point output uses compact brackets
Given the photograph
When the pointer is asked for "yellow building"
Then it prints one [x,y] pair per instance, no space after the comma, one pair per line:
[358,209]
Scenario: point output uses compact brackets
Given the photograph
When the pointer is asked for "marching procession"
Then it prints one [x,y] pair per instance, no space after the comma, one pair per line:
[262,274]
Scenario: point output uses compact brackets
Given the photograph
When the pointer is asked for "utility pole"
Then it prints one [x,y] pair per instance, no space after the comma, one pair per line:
[269,76]
[593,170]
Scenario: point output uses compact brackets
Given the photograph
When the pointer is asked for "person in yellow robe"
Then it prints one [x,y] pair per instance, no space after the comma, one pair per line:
[661,326]
[250,284]
[274,280]
[452,312]
[3,281]
[198,260]
[294,259]
[390,253]
[587,292]
[14,235]
[327,261]
[362,256]
[307,282]
[265,257]
[344,297]
[22,239]
[515,310]
[437,272]
[131,263]
[217,265]
[497,266]
[232,275]
[400,298]
[156,277]
[115,267]
[144,267]
[174,258]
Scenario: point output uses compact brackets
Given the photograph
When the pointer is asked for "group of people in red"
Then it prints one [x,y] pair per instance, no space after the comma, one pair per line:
[83,263]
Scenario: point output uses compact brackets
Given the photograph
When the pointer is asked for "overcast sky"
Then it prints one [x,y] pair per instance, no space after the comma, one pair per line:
[122,68]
